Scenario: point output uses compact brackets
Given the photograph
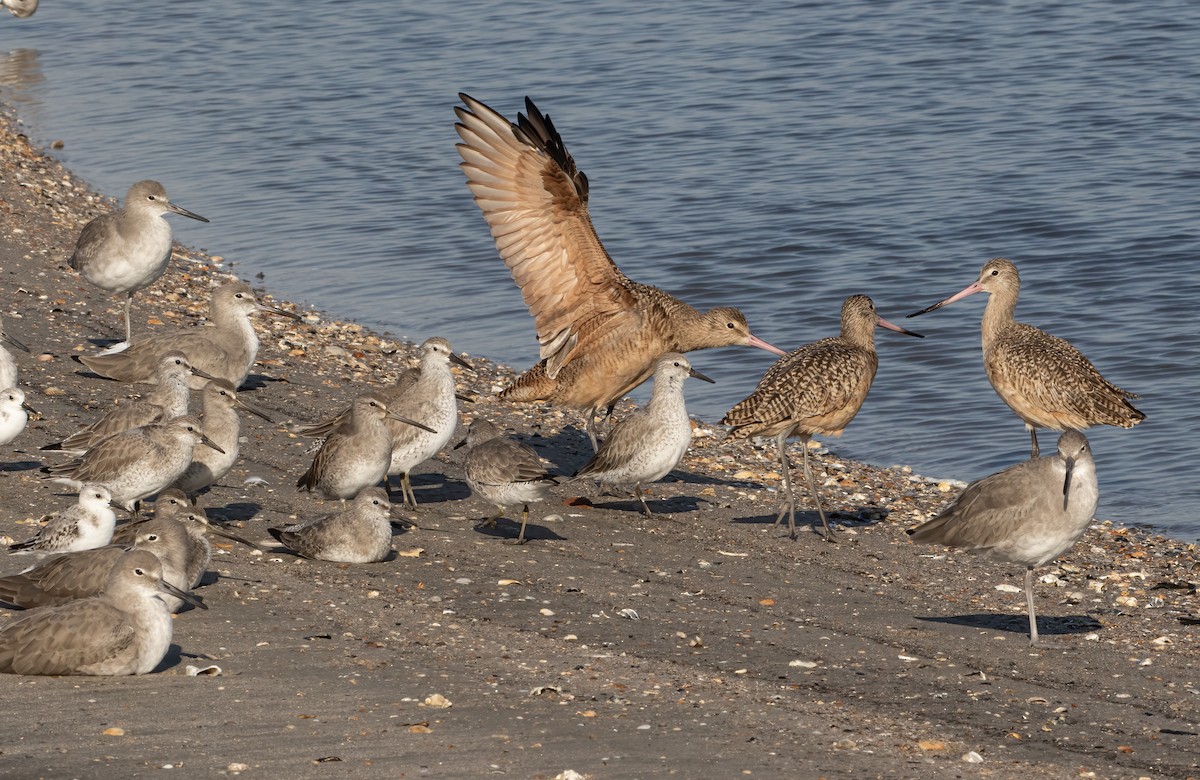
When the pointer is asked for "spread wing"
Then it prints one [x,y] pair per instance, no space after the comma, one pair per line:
[535,202]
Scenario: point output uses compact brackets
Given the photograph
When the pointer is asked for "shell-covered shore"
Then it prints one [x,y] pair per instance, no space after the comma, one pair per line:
[700,642]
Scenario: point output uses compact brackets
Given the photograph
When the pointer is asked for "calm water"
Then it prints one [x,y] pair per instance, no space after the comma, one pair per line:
[779,157]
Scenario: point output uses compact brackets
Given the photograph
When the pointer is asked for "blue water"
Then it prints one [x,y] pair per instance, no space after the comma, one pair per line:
[777,156]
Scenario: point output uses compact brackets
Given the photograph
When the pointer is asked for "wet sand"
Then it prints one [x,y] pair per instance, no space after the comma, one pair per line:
[701,642]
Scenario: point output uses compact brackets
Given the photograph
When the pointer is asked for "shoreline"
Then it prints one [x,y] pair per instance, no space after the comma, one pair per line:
[775,656]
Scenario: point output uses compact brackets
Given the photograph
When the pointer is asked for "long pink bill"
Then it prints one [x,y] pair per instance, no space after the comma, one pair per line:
[755,341]
[971,289]
[892,326]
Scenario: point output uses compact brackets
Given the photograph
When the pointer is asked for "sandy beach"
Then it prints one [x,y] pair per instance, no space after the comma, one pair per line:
[701,642]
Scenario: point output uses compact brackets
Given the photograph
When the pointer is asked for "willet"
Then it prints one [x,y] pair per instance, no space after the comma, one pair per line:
[817,388]
[168,399]
[14,414]
[1045,380]
[425,394]
[225,351]
[647,444]
[76,575]
[222,426]
[504,472]
[600,332]
[137,463]
[128,249]
[356,454]
[86,525]
[22,9]
[8,366]
[173,504]
[125,629]
[359,533]
[1029,514]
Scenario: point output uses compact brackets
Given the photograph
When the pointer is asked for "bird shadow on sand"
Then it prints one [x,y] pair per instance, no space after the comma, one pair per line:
[508,529]
[664,505]
[867,515]
[236,511]
[259,381]
[1019,624]
[21,465]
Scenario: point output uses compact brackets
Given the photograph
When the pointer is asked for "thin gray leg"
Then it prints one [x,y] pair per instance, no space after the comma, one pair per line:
[789,503]
[646,509]
[128,304]
[812,486]
[1034,451]
[1033,634]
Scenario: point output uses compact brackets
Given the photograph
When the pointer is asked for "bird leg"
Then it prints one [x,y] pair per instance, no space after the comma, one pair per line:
[1033,634]
[1033,451]
[789,504]
[128,305]
[410,498]
[591,429]
[812,486]
[638,490]
[524,519]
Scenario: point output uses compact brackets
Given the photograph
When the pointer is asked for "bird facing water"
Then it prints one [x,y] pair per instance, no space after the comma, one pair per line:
[504,472]
[600,332]
[226,350]
[125,629]
[1028,514]
[129,249]
[1045,380]
[817,388]
[647,444]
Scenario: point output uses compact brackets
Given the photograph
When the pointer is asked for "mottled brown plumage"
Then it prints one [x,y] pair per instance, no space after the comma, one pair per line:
[600,332]
[1046,381]
[504,472]
[817,388]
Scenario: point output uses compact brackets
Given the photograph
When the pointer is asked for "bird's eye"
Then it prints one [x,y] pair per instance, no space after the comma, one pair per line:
[151,197]
[995,272]
[151,537]
[140,572]
[729,325]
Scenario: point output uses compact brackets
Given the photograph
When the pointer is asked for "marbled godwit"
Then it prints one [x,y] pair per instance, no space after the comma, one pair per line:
[125,629]
[137,463]
[8,366]
[359,533]
[1043,379]
[600,332]
[647,444]
[75,575]
[223,427]
[128,249]
[225,351]
[504,472]
[86,525]
[1030,513]
[168,399]
[14,414]
[424,394]
[817,388]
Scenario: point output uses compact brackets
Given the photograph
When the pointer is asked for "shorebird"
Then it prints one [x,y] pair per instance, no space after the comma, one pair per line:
[22,9]
[361,532]
[425,394]
[600,332]
[14,414]
[172,504]
[1045,380]
[8,366]
[128,249]
[504,472]
[225,351]
[137,463]
[356,454]
[817,388]
[168,399]
[1028,514]
[647,444]
[124,629]
[222,426]
[86,525]
[60,578]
